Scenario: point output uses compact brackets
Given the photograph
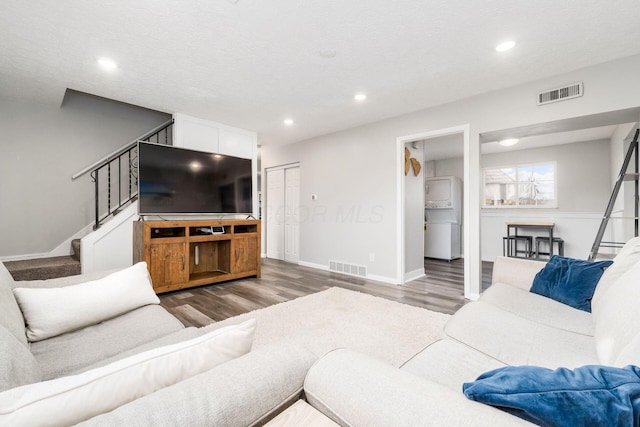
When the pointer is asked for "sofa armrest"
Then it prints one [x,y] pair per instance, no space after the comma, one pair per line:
[357,390]
[516,272]
[249,390]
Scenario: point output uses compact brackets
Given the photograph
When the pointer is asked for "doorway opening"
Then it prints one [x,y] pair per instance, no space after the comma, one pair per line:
[411,200]
[587,153]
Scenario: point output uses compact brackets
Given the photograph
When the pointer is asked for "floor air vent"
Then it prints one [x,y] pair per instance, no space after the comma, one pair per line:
[352,269]
[560,94]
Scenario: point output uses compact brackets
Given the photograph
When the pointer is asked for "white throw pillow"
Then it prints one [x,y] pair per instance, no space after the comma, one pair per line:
[53,311]
[70,400]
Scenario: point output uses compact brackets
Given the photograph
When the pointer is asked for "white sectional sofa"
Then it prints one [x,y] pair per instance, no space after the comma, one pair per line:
[508,325]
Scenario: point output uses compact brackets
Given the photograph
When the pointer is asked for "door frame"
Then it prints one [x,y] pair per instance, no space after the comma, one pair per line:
[472,265]
[288,214]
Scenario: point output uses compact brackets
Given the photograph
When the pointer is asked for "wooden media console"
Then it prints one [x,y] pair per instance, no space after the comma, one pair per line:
[183,254]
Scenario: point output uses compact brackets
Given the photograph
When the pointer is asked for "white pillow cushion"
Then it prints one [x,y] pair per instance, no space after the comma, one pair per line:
[70,400]
[53,311]
[618,321]
[628,256]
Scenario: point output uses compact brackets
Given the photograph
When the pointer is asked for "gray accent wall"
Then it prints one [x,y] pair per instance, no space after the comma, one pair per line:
[41,147]
[583,171]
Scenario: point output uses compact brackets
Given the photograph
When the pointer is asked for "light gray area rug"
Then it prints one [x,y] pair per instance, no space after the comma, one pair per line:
[339,318]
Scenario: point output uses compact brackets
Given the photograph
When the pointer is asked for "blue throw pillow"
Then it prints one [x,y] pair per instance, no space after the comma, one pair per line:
[569,281]
[586,396]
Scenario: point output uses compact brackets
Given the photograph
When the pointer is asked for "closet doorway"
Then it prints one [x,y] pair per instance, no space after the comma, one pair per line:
[283,213]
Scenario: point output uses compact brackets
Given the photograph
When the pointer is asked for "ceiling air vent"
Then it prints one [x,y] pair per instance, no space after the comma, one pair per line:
[560,94]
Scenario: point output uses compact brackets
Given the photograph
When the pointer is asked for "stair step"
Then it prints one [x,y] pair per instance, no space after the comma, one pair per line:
[43,268]
[75,247]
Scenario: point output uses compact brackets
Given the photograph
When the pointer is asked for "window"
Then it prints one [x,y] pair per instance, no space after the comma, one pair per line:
[523,186]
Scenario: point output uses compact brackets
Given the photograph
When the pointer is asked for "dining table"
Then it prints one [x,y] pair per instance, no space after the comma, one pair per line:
[513,227]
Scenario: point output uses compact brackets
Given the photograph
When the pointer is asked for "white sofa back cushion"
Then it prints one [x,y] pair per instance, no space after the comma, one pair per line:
[70,400]
[617,324]
[49,312]
[628,256]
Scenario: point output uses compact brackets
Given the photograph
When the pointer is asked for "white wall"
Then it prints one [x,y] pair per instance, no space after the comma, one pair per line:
[622,229]
[42,146]
[450,167]
[583,192]
[354,215]
[359,167]
[111,246]
[414,218]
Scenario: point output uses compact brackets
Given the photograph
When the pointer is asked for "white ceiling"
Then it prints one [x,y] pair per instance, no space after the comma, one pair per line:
[251,63]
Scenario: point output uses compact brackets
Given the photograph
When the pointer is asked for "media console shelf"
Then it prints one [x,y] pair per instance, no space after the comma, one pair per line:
[183,254]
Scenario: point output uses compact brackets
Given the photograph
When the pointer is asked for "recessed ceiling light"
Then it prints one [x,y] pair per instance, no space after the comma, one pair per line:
[509,142]
[288,122]
[107,64]
[504,46]
[360,97]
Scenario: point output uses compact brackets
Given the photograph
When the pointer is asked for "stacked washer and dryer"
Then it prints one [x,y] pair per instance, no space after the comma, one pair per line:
[443,217]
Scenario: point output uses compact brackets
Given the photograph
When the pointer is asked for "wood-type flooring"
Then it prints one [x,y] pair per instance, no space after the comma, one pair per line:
[441,290]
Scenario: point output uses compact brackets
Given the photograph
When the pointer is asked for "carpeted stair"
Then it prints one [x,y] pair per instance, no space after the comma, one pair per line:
[47,268]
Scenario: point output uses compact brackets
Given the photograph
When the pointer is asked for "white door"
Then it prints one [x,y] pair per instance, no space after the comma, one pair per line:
[275,214]
[292,214]
[283,213]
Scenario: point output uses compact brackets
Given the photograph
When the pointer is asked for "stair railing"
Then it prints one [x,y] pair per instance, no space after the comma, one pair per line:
[115,176]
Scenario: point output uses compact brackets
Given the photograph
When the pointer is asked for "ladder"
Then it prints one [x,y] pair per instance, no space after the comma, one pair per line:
[623,176]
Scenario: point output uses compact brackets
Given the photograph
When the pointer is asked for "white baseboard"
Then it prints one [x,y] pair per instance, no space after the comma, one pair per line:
[63,249]
[473,297]
[24,257]
[384,279]
[413,275]
[313,265]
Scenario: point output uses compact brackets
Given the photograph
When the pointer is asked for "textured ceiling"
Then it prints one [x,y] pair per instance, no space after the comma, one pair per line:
[252,63]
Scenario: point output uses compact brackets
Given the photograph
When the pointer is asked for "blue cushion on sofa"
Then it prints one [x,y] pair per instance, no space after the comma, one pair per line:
[586,396]
[569,281]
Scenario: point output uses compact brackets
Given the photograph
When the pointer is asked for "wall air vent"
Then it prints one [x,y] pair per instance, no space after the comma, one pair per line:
[560,94]
[345,268]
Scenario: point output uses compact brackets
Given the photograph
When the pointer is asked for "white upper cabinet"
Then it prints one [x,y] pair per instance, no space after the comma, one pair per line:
[235,143]
[197,135]
[204,135]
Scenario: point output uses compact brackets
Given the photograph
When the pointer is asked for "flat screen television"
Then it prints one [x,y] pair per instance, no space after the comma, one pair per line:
[174,180]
